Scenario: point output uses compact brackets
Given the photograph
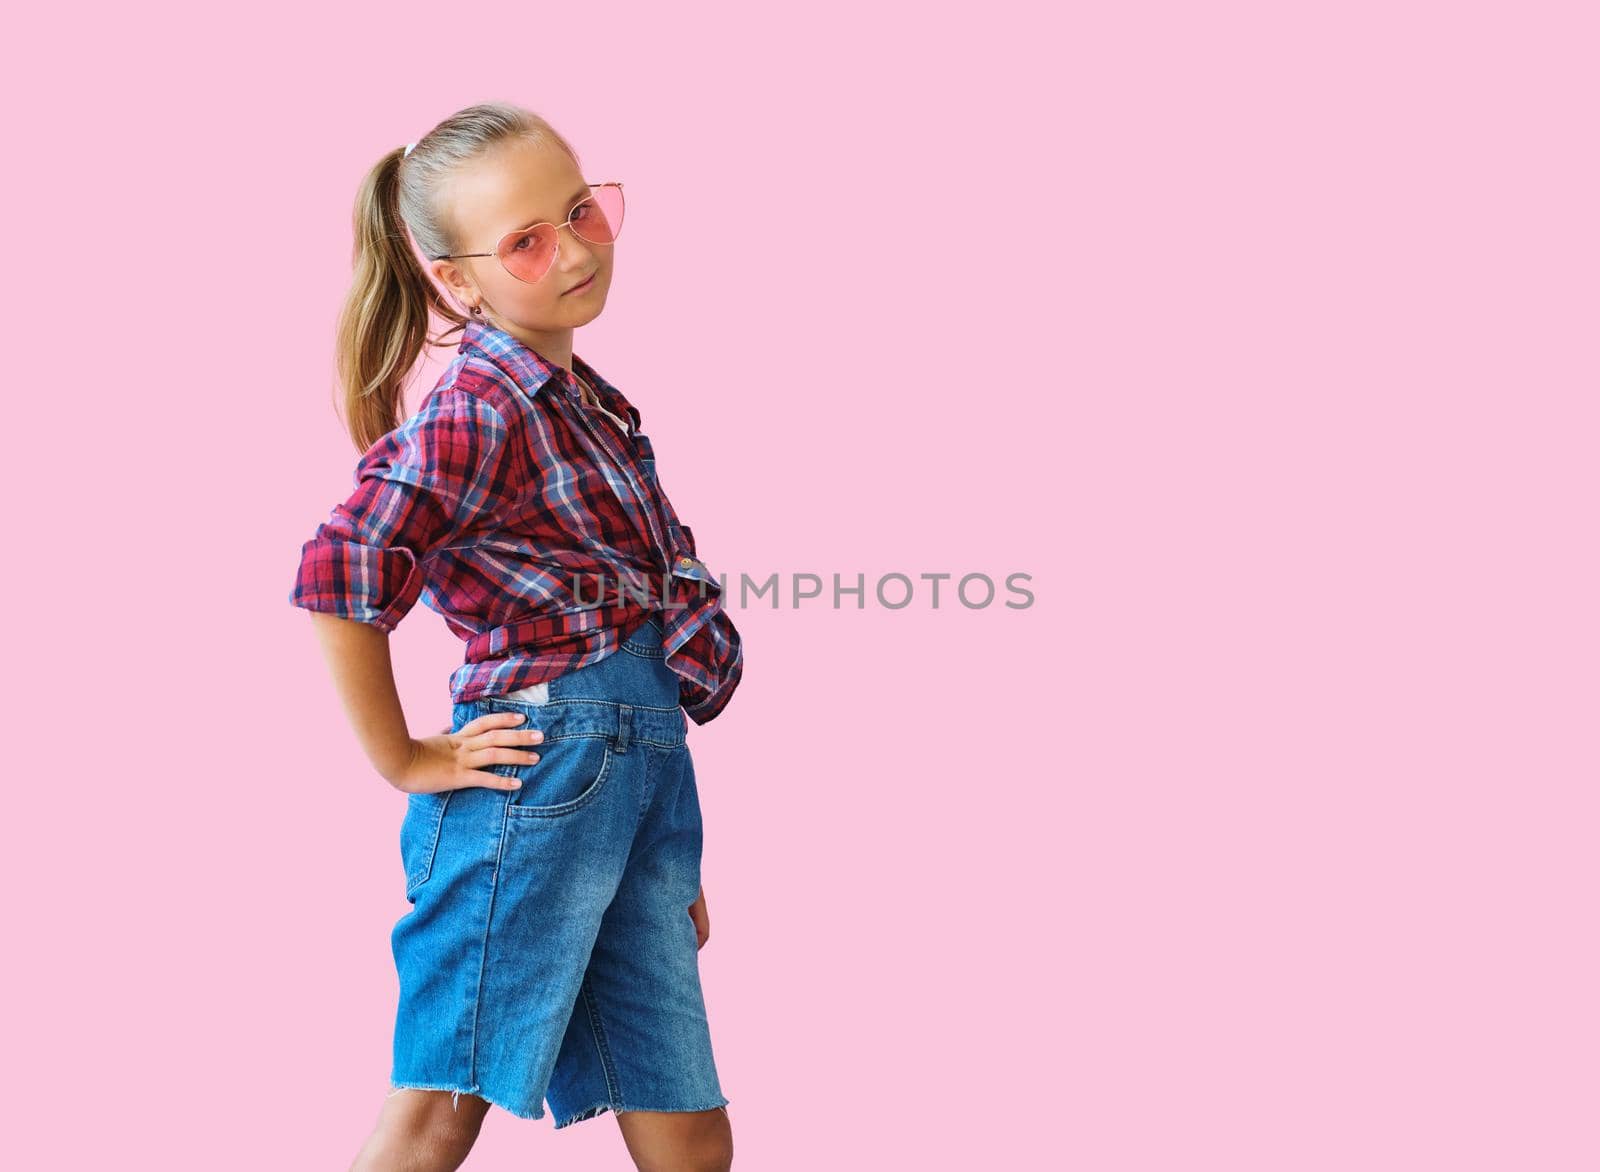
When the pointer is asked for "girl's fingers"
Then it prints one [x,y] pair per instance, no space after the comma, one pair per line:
[487,779]
[481,759]
[491,720]
[496,756]
[500,733]
[523,751]
[495,739]
[483,779]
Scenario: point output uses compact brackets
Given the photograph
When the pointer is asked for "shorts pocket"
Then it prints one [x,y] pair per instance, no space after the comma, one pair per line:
[570,773]
[419,836]
[646,642]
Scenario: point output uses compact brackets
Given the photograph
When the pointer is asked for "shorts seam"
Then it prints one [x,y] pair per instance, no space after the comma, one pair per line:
[483,958]
[561,700]
[633,739]
[597,1030]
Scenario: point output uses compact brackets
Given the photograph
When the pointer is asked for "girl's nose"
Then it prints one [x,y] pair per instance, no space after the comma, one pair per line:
[571,252]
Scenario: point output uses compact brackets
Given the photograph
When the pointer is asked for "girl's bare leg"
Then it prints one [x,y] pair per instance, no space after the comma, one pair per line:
[678,1141]
[422,1131]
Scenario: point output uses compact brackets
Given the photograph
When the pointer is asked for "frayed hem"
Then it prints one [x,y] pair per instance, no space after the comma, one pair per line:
[594,1109]
[455,1097]
[587,1113]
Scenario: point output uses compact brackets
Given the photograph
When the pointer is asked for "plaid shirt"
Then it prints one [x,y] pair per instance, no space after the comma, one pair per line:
[531,523]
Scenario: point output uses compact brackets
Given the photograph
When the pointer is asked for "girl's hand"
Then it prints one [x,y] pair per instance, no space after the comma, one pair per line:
[456,760]
[702,921]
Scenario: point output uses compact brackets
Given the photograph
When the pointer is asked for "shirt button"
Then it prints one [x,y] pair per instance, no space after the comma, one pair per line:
[686,561]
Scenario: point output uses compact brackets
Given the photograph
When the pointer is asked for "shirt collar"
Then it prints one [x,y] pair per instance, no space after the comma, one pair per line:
[530,369]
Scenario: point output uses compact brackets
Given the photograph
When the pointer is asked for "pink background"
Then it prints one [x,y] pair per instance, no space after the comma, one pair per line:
[1261,336]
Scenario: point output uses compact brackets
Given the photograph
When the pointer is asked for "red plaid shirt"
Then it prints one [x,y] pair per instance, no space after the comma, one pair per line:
[531,523]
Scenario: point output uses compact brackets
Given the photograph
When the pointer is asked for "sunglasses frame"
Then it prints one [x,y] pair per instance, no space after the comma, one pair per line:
[567,223]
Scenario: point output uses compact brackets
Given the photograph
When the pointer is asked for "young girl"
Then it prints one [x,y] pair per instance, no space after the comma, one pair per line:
[552,838]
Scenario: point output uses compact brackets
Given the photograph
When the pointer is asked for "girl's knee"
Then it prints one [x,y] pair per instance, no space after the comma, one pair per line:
[442,1120]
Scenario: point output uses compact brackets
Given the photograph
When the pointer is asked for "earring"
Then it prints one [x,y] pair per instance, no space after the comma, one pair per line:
[478,309]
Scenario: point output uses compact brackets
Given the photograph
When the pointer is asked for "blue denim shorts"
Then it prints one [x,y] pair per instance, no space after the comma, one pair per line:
[548,953]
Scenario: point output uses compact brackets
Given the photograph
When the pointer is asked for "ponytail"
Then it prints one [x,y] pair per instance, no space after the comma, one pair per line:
[383,327]
[384,324]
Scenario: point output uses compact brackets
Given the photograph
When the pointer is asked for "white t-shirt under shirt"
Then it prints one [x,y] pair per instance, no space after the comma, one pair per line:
[593,400]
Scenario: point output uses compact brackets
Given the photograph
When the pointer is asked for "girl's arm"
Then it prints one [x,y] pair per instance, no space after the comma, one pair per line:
[358,658]
[357,655]
[418,487]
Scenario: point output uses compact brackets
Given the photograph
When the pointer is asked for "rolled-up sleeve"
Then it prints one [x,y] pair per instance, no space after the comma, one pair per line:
[416,489]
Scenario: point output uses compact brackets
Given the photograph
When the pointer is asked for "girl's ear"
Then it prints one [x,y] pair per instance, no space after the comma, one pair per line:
[451,276]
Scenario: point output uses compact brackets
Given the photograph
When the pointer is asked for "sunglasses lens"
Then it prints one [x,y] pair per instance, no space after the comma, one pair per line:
[527,255]
[598,219]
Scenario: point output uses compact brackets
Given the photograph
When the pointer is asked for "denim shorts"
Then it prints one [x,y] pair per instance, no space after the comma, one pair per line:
[548,953]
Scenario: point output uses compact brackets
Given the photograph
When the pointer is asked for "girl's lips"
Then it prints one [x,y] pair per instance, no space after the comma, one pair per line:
[587,281]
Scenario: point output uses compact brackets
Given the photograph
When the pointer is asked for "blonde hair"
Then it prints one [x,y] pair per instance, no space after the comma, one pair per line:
[383,326]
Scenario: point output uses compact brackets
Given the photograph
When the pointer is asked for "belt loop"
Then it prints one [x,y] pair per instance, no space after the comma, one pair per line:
[624,715]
